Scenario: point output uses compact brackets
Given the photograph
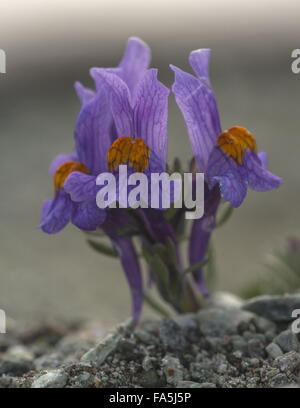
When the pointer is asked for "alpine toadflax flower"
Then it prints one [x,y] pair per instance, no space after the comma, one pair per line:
[140,118]
[75,174]
[228,158]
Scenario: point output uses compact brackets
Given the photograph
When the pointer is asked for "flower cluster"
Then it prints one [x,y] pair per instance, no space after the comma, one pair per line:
[124,122]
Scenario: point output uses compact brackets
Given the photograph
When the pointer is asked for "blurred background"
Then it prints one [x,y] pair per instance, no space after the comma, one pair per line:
[51,44]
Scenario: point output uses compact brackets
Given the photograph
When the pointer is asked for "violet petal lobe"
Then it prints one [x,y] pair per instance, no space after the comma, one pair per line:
[56,213]
[84,94]
[263,157]
[92,133]
[259,178]
[151,114]
[120,100]
[87,216]
[198,105]
[135,62]
[81,187]
[231,177]
[199,61]
[61,159]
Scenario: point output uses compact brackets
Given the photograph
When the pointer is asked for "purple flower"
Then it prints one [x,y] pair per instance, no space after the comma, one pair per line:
[137,127]
[140,117]
[74,175]
[228,159]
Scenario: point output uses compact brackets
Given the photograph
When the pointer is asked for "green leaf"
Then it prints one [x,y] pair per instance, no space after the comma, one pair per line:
[128,231]
[196,266]
[211,268]
[155,305]
[104,249]
[177,168]
[157,265]
[225,215]
[171,251]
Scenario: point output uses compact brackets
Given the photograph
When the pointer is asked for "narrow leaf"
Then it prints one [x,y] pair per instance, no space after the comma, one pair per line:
[103,248]
[225,215]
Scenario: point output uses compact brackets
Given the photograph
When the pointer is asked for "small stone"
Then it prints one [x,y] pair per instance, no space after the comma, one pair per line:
[274,350]
[83,380]
[287,341]
[8,382]
[239,343]
[289,361]
[126,345]
[147,363]
[53,379]
[226,300]
[264,325]
[186,321]
[19,353]
[254,362]
[256,348]
[15,367]
[276,308]
[222,368]
[48,361]
[103,349]
[172,369]
[84,377]
[144,336]
[215,322]
[171,335]
[237,354]
[149,379]
[279,380]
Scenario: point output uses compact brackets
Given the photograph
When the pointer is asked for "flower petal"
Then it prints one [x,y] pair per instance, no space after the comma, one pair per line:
[81,187]
[231,177]
[92,133]
[87,216]
[135,62]
[260,179]
[61,159]
[199,61]
[263,157]
[198,105]
[151,114]
[84,94]
[56,213]
[120,100]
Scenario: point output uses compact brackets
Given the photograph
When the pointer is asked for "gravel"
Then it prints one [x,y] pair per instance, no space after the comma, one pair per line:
[227,347]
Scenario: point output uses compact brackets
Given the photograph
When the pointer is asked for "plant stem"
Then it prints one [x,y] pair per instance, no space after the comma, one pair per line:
[156,306]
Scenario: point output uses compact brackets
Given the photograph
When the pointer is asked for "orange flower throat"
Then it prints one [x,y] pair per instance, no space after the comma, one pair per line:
[235,141]
[65,170]
[128,150]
